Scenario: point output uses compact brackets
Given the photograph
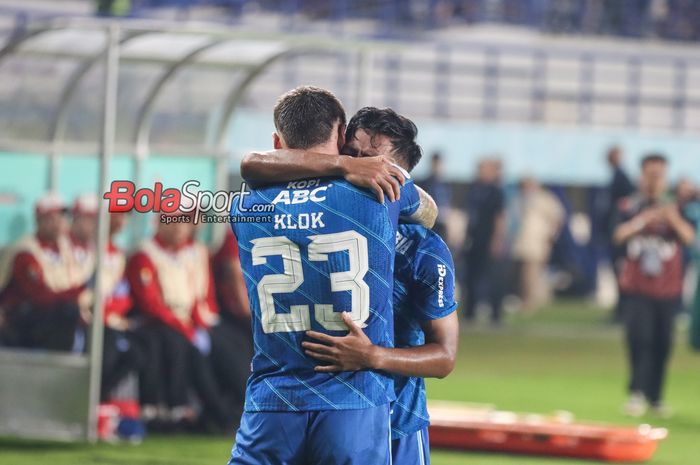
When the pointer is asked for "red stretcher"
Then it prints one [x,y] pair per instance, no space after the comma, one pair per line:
[483,428]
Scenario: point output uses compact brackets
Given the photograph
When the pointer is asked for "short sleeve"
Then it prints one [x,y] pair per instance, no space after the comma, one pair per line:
[434,281]
[410,199]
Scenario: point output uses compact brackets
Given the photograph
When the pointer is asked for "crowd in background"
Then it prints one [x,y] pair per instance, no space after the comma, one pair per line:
[176,314]
[513,232]
[506,236]
[649,234]
[668,19]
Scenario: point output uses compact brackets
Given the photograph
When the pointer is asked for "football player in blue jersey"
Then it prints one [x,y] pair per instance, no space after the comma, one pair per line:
[328,251]
[425,323]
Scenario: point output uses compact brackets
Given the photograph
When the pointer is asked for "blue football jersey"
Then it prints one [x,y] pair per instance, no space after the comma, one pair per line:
[423,290]
[328,249]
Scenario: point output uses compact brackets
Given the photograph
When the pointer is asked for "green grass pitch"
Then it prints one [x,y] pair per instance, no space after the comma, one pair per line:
[564,358]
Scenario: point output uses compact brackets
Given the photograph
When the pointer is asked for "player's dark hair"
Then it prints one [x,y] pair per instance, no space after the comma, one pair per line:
[400,130]
[305,116]
[654,158]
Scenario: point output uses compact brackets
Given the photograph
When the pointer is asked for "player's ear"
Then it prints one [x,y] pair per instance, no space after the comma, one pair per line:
[276,141]
[341,137]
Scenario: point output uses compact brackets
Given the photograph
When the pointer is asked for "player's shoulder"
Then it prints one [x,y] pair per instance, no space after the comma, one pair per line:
[408,238]
[361,203]
[343,188]
[422,245]
[424,238]
[430,249]
[416,232]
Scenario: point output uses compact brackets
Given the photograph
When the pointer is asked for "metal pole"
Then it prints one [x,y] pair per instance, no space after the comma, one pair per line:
[109,115]
[53,171]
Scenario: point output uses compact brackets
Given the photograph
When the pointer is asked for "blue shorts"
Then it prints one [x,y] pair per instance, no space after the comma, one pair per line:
[338,437]
[412,449]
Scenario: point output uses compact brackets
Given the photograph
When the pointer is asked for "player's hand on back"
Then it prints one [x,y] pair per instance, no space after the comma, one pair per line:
[351,352]
[376,173]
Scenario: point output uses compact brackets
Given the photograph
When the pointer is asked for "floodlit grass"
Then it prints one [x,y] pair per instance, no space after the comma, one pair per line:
[564,358]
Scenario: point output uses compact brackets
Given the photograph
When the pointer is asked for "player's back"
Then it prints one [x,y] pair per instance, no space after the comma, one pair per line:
[423,290]
[329,249]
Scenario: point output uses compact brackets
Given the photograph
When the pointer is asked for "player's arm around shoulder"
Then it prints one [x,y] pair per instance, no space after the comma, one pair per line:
[443,335]
[284,165]
[353,352]
[434,308]
[433,305]
[375,173]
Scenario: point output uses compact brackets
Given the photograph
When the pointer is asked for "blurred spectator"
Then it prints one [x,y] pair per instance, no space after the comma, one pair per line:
[542,217]
[116,288]
[485,247]
[688,199]
[620,186]
[231,291]
[128,349]
[83,227]
[171,284]
[689,204]
[83,240]
[45,293]
[654,233]
[234,335]
[439,190]
[669,19]
[694,332]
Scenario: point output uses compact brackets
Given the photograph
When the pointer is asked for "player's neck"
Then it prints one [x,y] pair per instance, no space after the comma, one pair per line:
[328,148]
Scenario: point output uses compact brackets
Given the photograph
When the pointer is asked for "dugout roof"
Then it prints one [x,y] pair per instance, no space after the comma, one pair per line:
[53,73]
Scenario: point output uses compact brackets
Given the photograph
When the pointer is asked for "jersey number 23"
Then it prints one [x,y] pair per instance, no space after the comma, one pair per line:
[298,318]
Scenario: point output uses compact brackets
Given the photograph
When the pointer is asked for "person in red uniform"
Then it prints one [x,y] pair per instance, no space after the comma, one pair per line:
[171,285]
[117,297]
[128,348]
[46,292]
[654,234]
[121,355]
[83,240]
[231,292]
[83,234]
[232,338]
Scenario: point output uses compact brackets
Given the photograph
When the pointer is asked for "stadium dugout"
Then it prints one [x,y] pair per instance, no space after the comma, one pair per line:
[52,395]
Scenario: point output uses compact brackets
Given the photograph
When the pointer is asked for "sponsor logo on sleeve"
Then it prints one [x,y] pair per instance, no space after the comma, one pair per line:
[442,272]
